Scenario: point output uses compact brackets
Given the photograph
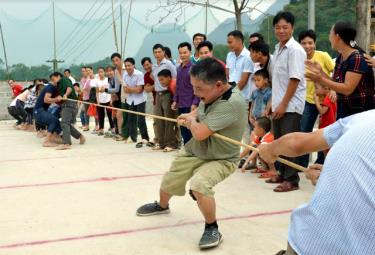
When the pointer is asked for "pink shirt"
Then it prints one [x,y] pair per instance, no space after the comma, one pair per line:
[85,82]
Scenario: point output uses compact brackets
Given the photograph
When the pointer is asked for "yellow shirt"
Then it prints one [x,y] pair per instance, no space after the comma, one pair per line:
[327,65]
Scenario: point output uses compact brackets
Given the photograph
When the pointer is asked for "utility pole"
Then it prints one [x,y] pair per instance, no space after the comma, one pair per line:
[121,25]
[206,18]
[311,15]
[54,60]
[5,53]
[127,27]
[114,25]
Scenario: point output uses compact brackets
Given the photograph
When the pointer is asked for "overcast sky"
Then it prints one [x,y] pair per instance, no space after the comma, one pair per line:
[28,28]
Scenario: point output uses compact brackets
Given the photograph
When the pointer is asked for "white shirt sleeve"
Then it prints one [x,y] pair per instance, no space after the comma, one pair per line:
[140,80]
[333,132]
[248,66]
[296,64]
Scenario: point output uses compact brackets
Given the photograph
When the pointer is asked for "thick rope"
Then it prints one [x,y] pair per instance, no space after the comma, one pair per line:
[227,139]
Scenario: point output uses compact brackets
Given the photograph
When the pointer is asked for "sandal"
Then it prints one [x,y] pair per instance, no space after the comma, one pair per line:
[168,149]
[258,171]
[268,174]
[119,138]
[157,147]
[275,179]
[139,145]
[286,187]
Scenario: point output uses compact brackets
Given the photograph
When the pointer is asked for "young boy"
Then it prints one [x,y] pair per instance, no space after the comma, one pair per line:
[167,141]
[262,135]
[261,105]
[327,110]
[261,97]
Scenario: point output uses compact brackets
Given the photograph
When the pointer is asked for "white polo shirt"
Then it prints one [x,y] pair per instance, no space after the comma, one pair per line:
[133,80]
[238,65]
[288,63]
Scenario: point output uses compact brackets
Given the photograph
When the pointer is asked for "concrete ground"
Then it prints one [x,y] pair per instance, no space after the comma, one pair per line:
[83,201]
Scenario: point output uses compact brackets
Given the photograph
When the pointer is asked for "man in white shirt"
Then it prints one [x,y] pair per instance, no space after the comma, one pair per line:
[239,70]
[68,75]
[135,101]
[339,218]
[288,93]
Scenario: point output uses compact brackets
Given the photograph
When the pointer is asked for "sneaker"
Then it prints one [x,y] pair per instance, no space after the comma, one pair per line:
[151,209]
[211,238]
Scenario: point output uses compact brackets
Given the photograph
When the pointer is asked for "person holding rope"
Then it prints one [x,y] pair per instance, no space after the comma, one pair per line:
[48,96]
[69,112]
[207,159]
[339,219]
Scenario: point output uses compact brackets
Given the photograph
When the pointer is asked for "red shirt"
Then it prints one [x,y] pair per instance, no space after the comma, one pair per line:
[267,138]
[330,116]
[148,80]
[221,62]
[17,89]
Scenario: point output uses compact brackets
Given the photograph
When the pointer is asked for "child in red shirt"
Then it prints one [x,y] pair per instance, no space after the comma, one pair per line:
[327,109]
[261,135]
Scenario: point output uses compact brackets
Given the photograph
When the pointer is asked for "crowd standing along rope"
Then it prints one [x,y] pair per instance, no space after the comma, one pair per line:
[227,139]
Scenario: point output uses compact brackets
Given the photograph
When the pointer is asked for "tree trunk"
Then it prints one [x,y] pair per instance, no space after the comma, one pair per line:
[363,12]
[238,21]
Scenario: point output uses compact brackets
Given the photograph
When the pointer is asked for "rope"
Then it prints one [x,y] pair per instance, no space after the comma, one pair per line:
[224,138]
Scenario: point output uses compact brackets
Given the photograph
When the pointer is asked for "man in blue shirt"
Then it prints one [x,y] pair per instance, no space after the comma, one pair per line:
[48,96]
[339,219]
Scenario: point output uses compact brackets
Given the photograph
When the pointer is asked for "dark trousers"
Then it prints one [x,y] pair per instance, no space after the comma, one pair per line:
[185,133]
[30,115]
[134,121]
[125,116]
[289,123]
[101,115]
[46,118]
[166,129]
[86,118]
[310,114]
[13,111]
[68,117]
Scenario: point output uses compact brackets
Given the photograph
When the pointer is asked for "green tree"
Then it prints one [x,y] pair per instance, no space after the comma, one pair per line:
[220,51]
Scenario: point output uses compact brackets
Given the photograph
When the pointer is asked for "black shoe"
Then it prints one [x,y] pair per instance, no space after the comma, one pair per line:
[251,166]
[242,161]
[139,145]
[151,209]
[211,238]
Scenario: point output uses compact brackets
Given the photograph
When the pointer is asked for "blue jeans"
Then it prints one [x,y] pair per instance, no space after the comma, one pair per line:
[185,133]
[46,118]
[307,125]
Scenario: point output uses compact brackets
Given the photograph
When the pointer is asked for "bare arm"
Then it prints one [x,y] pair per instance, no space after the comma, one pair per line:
[293,145]
[291,90]
[321,109]
[49,100]
[243,81]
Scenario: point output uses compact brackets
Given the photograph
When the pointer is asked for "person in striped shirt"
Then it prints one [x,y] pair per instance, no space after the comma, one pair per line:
[339,218]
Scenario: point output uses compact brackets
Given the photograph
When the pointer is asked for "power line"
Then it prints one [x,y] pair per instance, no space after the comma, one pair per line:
[96,39]
[83,25]
[87,35]
[79,23]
